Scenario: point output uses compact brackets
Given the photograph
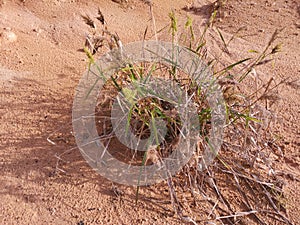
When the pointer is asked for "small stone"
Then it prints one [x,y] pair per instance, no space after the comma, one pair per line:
[277,10]
[8,36]
[35,30]
[118,1]
[2,2]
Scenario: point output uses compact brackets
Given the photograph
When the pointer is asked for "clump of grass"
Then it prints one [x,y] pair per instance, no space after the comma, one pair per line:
[232,189]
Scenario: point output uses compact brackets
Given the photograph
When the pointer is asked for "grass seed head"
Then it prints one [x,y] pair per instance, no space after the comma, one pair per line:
[87,19]
[100,16]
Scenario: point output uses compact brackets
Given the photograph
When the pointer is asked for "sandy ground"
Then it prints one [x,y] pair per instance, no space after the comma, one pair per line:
[40,67]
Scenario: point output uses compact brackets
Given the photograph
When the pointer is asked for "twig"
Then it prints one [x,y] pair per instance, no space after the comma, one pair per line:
[60,159]
[252,179]
[237,214]
[150,4]
[213,208]
[276,214]
[274,205]
[212,183]
[246,199]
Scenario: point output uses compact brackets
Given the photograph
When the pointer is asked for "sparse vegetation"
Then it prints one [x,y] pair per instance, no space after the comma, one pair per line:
[240,187]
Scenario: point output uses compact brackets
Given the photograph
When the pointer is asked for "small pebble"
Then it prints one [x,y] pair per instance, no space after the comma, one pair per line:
[8,36]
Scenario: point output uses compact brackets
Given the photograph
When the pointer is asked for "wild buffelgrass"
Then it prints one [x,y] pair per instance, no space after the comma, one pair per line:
[240,187]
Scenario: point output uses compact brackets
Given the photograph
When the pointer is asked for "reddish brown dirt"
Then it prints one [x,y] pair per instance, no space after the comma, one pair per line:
[39,72]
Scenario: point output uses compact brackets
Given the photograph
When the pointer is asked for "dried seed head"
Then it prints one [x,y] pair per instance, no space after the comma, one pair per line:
[87,19]
[100,16]
[152,155]
[148,2]
[93,43]
[276,49]
[89,43]
[98,43]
